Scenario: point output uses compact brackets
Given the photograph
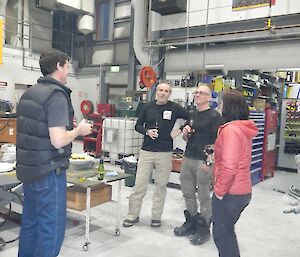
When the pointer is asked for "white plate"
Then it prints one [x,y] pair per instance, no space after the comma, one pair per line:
[5,166]
[85,163]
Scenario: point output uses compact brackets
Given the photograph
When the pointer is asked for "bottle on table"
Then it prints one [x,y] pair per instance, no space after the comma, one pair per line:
[100,171]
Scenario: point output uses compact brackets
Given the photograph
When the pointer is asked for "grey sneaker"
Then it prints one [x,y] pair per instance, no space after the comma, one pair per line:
[129,223]
[155,223]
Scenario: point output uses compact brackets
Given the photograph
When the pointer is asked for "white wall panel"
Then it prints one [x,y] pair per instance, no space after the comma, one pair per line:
[103,54]
[122,30]
[117,78]
[122,53]
[123,10]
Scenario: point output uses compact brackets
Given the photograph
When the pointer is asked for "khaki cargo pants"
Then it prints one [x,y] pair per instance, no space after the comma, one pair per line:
[162,162]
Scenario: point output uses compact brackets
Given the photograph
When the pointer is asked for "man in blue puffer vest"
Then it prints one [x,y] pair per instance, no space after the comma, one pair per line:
[44,135]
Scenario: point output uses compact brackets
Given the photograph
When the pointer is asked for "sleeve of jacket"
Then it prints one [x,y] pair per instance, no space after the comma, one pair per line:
[140,124]
[231,149]
[181,112]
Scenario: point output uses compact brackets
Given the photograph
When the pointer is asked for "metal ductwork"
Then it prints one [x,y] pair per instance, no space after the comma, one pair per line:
[166,7]
[236,56]
[139,32]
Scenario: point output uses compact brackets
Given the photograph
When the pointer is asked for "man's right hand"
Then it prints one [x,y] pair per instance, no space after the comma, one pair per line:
[153,133]
[84,128]
[187,129]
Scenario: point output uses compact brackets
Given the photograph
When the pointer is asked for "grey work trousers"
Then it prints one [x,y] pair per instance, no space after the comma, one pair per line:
[195,180]
[162,162]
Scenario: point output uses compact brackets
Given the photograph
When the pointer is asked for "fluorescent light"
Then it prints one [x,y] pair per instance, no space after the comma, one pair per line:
[114,68]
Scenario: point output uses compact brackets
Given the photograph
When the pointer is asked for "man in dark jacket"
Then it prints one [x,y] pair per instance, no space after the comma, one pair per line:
[44,135]
[195,174]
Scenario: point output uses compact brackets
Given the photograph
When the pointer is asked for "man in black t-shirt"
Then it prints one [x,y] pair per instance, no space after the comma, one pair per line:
[195,174]
[156,122]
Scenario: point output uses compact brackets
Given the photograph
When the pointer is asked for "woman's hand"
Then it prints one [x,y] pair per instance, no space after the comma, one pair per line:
[219,197]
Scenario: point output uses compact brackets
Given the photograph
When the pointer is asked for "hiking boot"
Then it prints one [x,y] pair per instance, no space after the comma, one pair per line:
[155,223]
[202,230]
[129,223]
[187,227]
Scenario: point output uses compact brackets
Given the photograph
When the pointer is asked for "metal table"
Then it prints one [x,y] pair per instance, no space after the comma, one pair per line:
[9,187]
[75,178]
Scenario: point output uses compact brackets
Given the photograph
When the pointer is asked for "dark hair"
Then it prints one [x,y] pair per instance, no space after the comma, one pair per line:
[235,106]
[50,58]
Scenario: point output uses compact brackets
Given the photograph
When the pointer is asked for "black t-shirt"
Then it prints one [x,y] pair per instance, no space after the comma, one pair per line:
[163,116]
[57,109]
[206,125]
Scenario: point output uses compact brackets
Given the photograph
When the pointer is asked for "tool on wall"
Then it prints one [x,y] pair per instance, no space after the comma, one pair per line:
[86,107]
[148,77]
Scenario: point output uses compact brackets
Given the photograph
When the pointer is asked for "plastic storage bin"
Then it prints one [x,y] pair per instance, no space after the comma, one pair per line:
[130,168]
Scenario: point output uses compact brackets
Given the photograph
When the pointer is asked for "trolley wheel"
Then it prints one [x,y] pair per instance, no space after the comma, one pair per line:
[85,247]
[117,232]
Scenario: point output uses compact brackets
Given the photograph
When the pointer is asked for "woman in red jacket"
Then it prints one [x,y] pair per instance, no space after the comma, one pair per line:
[231,174]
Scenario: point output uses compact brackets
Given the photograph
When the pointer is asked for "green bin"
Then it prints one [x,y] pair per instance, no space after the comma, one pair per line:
[130,168]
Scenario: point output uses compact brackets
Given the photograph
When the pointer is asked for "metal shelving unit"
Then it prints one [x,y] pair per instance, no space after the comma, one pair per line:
[257,146]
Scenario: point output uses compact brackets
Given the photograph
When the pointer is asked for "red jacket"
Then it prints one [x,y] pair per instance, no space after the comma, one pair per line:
[233,154]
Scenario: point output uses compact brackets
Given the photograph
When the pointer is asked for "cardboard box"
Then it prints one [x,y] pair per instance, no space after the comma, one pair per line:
[76,196]
[9,130]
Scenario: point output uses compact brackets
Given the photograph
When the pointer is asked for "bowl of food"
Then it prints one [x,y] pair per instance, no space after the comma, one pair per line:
[81,161]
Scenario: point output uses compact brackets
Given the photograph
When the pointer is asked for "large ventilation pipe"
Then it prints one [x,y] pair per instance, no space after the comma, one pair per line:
[139,31]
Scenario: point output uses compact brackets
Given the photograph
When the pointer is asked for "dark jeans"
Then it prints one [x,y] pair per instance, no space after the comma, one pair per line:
[44,217]
[226,213]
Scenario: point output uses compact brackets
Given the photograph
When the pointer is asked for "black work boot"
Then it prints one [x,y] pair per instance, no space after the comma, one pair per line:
[202,233]
[187,228]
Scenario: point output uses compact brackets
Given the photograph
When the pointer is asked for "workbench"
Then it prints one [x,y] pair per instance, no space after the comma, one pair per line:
[9,180]
[76,178]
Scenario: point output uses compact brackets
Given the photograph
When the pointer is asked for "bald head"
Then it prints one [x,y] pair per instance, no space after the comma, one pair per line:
[163,92]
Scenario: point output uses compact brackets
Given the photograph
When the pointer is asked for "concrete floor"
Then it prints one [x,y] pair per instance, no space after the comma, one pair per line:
[263,230]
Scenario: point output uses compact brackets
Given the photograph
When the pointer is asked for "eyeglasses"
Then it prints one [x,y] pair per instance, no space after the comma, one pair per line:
[200,93]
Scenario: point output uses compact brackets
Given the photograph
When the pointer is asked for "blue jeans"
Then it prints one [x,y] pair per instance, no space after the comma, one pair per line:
[44,217]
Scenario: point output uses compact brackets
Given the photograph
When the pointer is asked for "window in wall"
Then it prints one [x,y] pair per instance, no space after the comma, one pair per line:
[64,28]
[102,20]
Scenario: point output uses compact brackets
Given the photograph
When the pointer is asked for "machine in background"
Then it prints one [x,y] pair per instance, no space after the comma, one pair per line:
[93,142]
